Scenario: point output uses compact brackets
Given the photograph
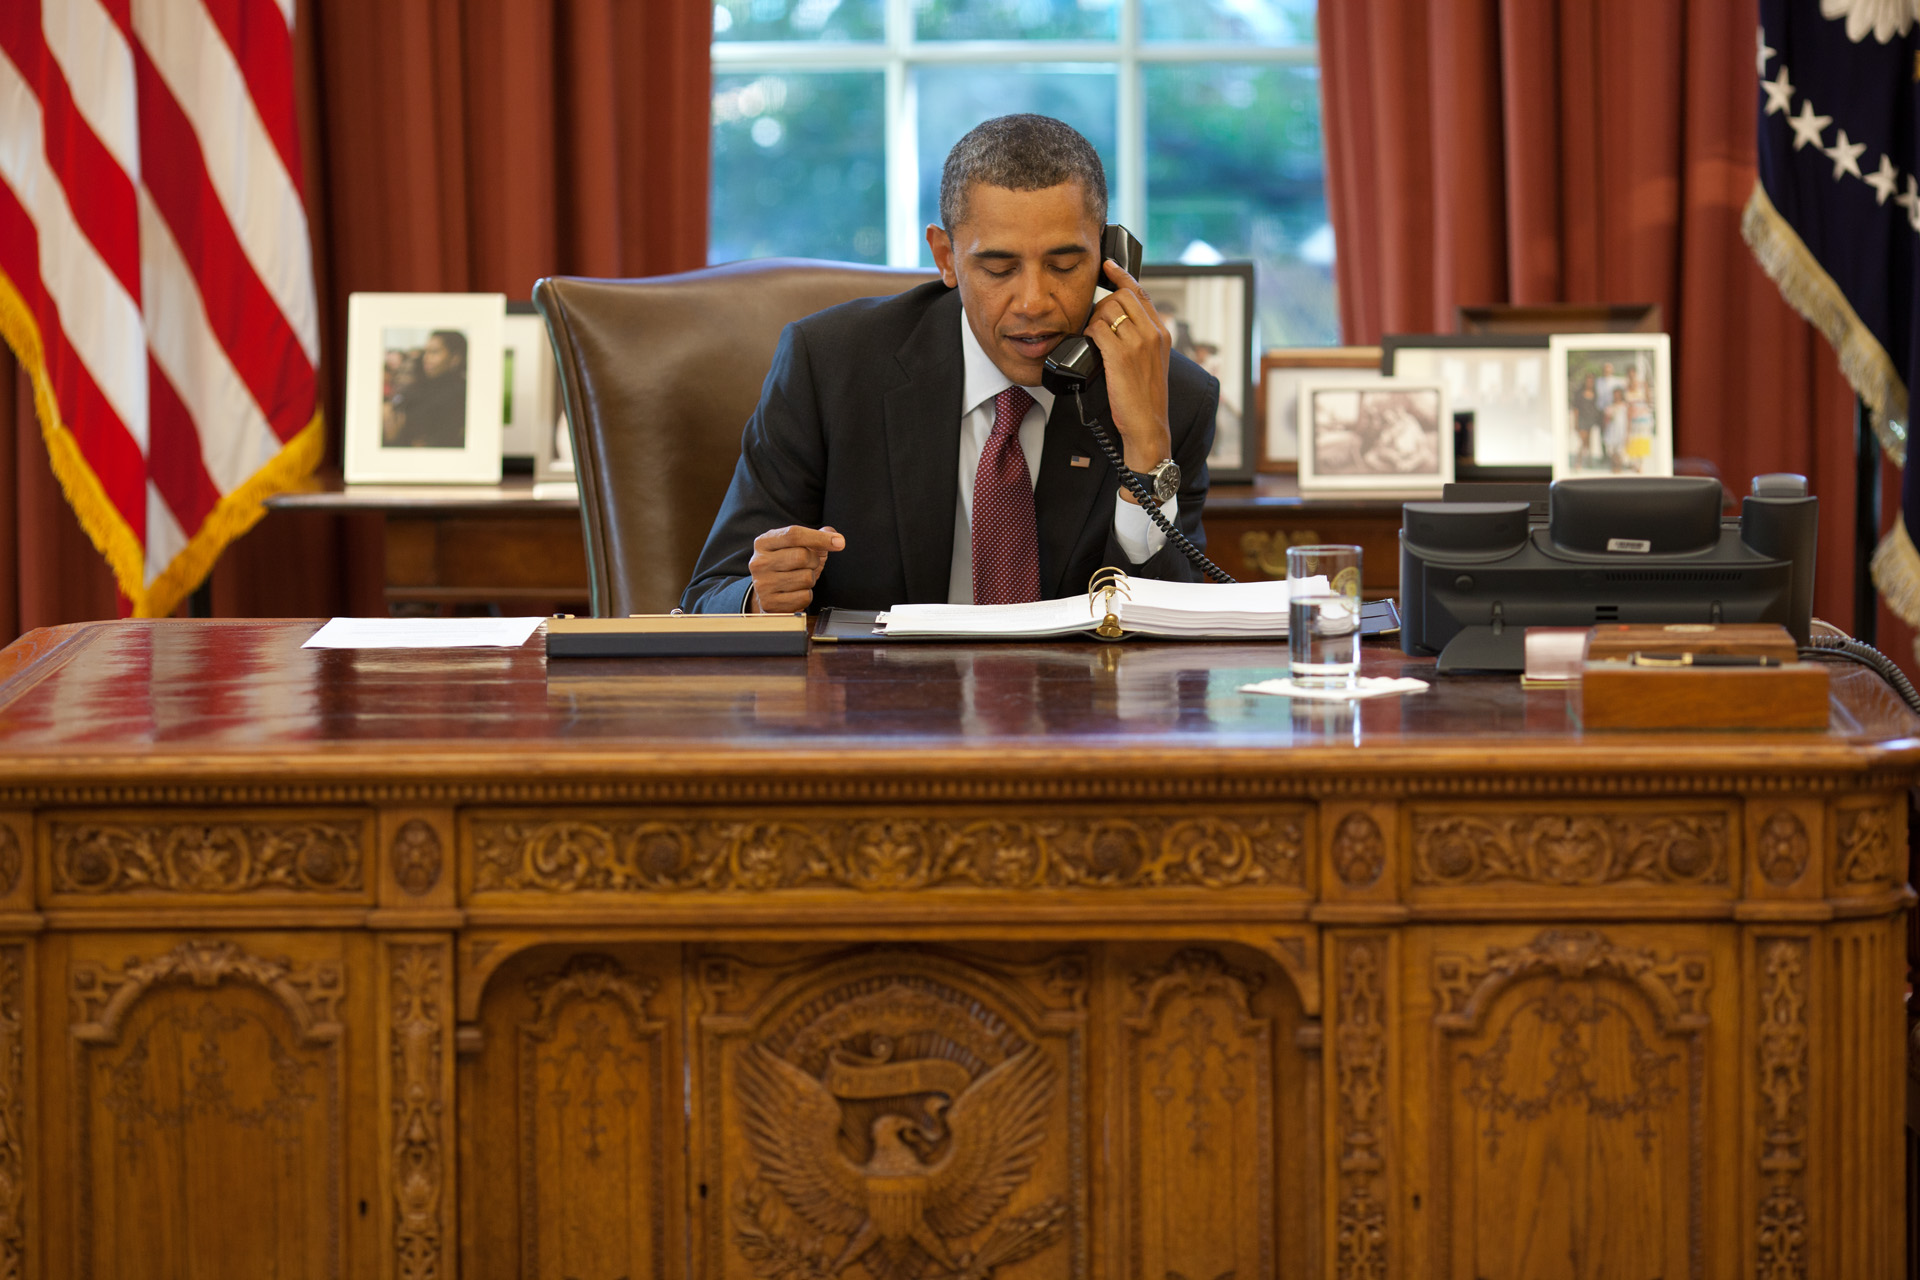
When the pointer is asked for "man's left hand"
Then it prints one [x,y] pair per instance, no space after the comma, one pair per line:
[1135,350]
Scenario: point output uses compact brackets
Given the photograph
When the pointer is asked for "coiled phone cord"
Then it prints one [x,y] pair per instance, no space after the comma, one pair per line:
[1842,646]
[1147,500]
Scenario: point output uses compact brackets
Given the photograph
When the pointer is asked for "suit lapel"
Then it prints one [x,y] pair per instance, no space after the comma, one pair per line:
[923,447]
[1068,497]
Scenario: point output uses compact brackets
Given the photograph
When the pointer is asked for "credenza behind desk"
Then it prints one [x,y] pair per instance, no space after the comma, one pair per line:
[448,546]
[1060,960]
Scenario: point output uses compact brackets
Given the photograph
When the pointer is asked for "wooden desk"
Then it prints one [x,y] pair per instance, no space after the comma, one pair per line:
[451,545]
[1058,961]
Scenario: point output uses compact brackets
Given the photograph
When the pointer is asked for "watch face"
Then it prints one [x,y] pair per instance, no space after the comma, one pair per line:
[1166,481]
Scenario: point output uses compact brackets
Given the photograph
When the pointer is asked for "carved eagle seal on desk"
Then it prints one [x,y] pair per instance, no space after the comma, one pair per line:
[897,1210]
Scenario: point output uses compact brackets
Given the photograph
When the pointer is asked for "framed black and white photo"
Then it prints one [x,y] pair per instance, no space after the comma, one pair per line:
[1496,392]
[528,385]
[1390,436]
[1613,404]
[1210,310]
[1281,371]
[424,388]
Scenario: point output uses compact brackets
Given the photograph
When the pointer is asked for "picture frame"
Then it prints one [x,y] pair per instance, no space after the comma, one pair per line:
[1633,434]
[1210,310]
[1497,393]
[404,423]
[1384,436]
[553,470]
[1559,317]
[1281,372]
[529,382]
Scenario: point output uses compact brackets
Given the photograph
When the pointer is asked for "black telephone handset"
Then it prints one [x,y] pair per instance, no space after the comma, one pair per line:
[1075,362]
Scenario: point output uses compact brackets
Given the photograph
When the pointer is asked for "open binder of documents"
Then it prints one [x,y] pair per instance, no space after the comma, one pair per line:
[1114,607]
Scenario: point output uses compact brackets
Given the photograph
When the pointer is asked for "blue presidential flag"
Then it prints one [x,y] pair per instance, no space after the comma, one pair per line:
[1835,216]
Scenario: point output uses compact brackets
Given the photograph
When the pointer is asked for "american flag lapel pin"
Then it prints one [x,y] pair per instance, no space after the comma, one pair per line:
[1079,460]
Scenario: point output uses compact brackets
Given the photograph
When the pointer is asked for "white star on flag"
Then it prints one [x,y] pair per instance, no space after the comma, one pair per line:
[1807,126]
[1779,91]
[1760,62]
[1910,200]
[1883,182]
[1845,156]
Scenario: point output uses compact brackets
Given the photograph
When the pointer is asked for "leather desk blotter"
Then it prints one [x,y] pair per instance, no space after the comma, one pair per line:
[1616,693]
[678,635]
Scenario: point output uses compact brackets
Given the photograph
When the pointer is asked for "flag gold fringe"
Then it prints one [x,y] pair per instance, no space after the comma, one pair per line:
[1809,290]
[236,512]
[1812,292]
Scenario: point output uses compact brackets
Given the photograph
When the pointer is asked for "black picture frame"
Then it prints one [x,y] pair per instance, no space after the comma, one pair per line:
[1236,442]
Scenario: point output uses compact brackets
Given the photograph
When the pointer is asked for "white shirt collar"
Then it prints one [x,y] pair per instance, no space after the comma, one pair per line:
[984,379]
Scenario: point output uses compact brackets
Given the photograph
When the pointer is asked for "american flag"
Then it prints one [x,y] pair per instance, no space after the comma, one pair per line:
[156,278]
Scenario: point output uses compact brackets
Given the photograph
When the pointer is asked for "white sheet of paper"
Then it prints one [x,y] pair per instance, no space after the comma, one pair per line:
[423,633]
[1364,687]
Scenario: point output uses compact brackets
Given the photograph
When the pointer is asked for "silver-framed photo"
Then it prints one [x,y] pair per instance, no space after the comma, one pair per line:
[1210,310]
[1390,436]
[424,388]
[1281,372]
[1613,399]
[1496,391]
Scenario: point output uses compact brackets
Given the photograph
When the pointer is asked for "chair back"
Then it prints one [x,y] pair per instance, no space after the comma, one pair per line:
[659,377]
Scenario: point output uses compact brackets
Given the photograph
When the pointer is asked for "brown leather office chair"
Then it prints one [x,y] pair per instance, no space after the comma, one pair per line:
[659,377]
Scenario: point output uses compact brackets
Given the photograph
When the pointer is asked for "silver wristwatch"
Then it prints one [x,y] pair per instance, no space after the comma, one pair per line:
[1163,482]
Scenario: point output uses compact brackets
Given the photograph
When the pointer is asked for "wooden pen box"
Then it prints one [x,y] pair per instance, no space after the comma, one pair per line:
[1615,694]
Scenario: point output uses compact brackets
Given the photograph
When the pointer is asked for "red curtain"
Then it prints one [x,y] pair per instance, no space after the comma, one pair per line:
[1533,151]
[448,145]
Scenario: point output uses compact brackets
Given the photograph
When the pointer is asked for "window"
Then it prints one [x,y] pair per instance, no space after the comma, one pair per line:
[831,119]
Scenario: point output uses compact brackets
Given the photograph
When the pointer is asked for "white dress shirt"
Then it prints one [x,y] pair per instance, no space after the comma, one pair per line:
[1133,528]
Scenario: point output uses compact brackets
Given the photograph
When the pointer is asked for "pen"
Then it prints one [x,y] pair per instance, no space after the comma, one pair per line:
[1641,659]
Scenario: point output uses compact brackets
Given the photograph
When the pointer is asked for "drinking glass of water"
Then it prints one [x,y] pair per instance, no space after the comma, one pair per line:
[1323,623]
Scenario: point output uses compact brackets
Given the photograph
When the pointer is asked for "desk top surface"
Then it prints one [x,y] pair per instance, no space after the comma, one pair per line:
[191,699]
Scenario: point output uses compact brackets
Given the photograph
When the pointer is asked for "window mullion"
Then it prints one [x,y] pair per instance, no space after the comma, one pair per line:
[1130,129]
[903,140]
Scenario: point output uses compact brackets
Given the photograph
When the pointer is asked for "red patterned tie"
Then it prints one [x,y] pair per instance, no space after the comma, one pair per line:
[1006,539]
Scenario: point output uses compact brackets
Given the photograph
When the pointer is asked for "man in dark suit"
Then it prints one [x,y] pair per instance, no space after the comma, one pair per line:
[903,450]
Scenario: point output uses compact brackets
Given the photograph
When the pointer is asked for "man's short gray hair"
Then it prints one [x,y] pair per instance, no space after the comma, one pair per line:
[1021,153]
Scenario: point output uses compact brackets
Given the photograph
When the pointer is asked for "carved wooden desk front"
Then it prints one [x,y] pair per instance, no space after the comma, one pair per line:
[1053,961]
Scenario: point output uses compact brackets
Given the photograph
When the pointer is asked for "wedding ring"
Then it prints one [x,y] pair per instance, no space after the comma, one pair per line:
[1115,326]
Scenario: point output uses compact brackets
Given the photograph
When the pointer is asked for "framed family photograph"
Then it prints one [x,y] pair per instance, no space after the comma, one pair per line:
[1282,369]
[424,388]
[1496,392]
[1210,310]
[1387,436]
[529,393]
[1613,404]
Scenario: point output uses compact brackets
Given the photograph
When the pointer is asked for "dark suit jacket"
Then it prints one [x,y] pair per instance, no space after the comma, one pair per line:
[858,427]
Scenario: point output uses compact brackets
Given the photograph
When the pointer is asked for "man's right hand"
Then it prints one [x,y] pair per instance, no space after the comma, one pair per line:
[785,565]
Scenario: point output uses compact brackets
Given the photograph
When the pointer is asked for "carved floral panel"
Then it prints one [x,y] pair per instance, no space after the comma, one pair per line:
[1571,1083]
[1200,1097]
[893,1114]
[596,1090]
[209,1111]
[1583,848]
[210,854]
[636,853]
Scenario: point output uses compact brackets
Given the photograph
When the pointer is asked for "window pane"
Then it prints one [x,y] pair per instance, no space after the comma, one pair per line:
[1235,169]
[799,166]
[798,20]
[1017,19]
[1264,22]
[954,99]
